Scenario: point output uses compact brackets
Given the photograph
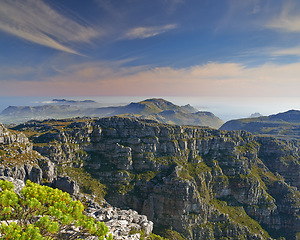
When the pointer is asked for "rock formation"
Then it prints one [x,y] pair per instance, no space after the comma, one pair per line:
[201,182]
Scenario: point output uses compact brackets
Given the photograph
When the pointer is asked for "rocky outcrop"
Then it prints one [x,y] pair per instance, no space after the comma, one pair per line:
[202,182]
[8,137]
[123,224]
[66,184]
[20,161]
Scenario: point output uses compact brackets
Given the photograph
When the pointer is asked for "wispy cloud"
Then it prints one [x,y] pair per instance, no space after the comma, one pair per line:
[287,21]
[146,32]
[94,72]
[294,51]
[37,22]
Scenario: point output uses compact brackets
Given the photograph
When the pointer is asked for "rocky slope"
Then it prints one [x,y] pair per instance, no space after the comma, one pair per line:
[19,162]
[156,109]
[201,182]
[283,125]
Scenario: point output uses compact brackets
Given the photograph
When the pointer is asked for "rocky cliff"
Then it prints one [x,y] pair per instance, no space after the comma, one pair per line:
[203,183]
[19,162]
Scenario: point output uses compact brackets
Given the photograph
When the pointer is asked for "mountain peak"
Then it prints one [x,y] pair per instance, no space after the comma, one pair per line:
[255,115]
[157,101]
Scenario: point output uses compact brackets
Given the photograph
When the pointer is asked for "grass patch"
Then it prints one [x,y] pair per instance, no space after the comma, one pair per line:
[168,234]
[87,183]
[146,176]
[196,169]
[249,147]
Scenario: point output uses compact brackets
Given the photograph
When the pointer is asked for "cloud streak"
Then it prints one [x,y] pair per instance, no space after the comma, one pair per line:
[287,21]
[146,32]
[294,51]
[37,22]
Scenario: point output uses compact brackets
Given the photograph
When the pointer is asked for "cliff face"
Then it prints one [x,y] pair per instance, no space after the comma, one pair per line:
[20,161]
[204,183]
[8,137]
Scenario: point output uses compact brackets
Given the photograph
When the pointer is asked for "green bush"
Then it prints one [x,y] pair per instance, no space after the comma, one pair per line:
[41,212]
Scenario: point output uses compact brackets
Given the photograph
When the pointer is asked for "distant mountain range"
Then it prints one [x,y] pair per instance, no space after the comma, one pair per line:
[156,109]
[284,125]
[73,102]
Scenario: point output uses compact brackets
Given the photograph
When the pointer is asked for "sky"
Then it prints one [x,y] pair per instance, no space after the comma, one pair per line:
[208,48]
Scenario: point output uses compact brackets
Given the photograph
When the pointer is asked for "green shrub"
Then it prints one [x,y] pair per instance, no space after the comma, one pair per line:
[41,212]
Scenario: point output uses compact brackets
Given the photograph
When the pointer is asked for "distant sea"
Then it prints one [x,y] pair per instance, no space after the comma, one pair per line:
[225,108]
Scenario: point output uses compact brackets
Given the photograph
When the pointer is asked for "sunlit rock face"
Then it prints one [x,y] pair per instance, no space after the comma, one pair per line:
[202,182]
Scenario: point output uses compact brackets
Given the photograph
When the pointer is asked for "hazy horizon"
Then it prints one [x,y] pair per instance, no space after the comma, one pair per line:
[224,108]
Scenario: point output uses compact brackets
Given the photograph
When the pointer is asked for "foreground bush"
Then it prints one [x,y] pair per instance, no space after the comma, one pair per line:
[41,212]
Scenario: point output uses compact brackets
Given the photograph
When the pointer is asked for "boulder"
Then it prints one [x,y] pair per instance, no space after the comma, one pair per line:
[66,184]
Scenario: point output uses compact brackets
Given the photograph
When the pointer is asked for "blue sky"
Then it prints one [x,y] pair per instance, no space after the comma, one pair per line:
[210,48]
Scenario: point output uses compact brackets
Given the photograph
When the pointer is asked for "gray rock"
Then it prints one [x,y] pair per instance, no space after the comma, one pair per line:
[66,184]
[120,222]
[49,170]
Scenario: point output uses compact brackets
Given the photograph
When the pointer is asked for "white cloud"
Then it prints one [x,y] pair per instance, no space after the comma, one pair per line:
[37,22]
[146,32]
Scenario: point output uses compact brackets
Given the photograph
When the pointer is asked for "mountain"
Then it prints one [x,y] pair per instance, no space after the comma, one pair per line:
[189,108]
[85,103]
[284,125]
[200,182]
[167,112]
[156,109]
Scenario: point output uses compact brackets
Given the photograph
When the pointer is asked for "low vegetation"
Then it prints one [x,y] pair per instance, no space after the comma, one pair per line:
[40,212]
[85,180]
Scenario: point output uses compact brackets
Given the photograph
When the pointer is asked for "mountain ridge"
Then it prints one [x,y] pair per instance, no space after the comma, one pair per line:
[155,108]
[285,124]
